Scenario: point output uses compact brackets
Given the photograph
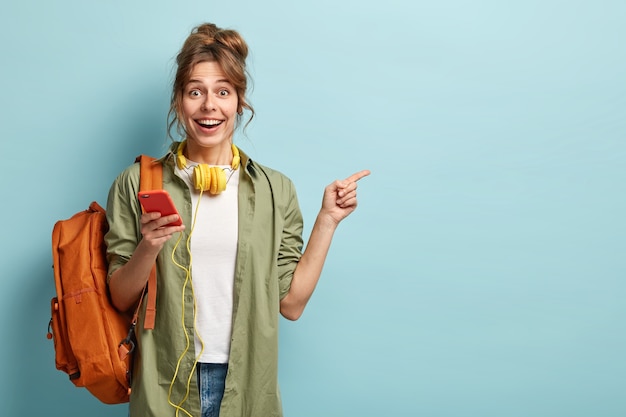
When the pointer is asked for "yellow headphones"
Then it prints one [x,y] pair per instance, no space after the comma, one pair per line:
[206,177]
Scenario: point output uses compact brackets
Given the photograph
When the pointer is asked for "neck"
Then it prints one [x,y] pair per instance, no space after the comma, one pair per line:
[220,154]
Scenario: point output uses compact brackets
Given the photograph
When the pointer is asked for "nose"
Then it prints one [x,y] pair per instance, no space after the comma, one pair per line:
[207,104]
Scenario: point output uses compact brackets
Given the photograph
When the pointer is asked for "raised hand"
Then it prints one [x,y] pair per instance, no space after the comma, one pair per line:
[340,197]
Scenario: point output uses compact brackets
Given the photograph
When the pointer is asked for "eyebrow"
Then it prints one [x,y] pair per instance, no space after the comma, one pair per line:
[193,80]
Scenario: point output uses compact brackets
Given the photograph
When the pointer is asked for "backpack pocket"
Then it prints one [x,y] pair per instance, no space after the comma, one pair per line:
[64,357]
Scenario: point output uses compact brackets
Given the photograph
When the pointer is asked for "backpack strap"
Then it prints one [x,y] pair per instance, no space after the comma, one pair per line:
[151,178]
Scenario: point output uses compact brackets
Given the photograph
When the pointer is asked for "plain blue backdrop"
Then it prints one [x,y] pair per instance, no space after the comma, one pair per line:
[483,274]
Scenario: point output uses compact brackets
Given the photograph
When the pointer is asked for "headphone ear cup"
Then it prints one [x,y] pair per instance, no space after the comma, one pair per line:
[220,180]
[212,186]
[205,177]
[208,178]
[200,174]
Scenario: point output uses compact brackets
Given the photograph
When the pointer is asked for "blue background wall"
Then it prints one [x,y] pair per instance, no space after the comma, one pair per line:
[483,273]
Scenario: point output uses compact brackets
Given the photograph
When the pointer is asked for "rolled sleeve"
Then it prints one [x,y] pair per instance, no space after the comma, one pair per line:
[291,243]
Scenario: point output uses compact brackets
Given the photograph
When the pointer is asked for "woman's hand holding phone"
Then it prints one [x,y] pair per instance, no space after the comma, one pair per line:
[160,219]
[159,201]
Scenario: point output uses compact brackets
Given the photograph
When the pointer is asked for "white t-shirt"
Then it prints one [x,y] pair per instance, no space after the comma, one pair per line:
[213,255]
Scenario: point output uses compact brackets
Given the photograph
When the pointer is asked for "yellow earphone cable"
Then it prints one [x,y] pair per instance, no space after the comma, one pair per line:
[188,279]
[178,406]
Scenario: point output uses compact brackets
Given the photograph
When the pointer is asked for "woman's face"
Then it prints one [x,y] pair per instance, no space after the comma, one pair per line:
[209,106]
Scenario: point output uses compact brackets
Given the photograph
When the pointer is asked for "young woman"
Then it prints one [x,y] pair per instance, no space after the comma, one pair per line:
[235,263]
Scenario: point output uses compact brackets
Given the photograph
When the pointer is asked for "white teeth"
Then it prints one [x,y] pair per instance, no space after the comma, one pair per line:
[209,122]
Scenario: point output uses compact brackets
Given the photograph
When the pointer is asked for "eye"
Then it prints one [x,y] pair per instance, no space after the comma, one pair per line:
[223,92]
[194,93]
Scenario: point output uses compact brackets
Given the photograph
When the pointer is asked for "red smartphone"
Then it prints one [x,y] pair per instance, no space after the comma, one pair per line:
[159,201]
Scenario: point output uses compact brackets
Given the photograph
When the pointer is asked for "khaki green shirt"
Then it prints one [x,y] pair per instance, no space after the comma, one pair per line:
[268,250]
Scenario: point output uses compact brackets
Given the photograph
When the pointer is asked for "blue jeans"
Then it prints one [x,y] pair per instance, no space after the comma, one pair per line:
[211,382]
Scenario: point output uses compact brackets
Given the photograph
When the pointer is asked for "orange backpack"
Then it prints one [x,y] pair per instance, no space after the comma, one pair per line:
[94,342]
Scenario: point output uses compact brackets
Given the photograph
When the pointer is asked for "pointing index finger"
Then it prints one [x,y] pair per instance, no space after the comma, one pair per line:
[358,175]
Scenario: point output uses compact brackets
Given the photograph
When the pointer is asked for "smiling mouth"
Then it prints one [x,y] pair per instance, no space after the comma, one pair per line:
[209,123]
